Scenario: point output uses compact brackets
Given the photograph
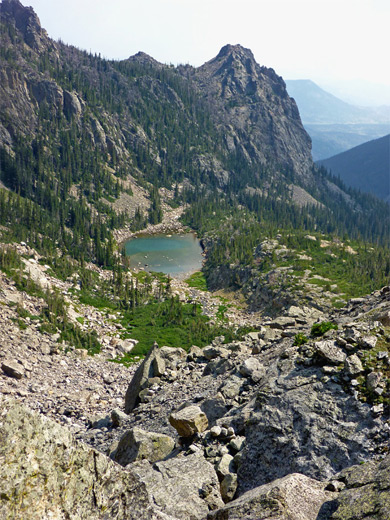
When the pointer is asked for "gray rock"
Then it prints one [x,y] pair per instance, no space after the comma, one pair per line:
[225,465]
[282,322]
[294,497]
[118,417]
[72,105]
[292,406]
[172,356]
[353,365]
[215,431]
[214,409]
[184,487]
[252,368]
[188,421]
[373,379]
[231,388]
[158,366]
[12,369]
[271,335]
[215,352]
[137,444]
[384,318]
[253,336]
[46,473]
[329,352]
[237,443]
[229,487]
[368,341]
[140,379]
[258,346]
[366,493]
[194,353]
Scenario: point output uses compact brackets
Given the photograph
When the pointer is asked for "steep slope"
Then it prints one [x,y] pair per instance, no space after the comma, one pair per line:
[333,125]
[365,167]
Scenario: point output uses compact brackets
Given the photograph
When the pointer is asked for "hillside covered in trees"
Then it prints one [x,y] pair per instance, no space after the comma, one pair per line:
[80,135]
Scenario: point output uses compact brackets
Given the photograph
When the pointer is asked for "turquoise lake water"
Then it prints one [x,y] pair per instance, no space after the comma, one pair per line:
[176,255]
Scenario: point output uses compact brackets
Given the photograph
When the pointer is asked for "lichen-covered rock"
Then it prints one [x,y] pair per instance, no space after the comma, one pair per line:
[188,421]
[137,444]
[184,487]
[46,474]
[366,494]
[294,497]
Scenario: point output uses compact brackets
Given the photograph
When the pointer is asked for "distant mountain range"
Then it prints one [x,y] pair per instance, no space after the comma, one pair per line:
[334,125]
[365,167]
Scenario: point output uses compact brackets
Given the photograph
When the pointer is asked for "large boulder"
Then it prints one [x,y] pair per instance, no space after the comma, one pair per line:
[294,497]
[137,444]
[45,473]
[329,352]
[184,487]
[188,421]
[366,493]
[151,366]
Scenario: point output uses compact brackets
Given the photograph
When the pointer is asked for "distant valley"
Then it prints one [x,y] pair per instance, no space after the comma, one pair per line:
[334,125]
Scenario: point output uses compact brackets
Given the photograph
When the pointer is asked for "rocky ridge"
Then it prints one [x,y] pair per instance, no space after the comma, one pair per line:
[247,105]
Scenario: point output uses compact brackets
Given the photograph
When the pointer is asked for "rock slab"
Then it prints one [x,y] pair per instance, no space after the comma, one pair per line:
[45,471]
[137,444]
[294,497]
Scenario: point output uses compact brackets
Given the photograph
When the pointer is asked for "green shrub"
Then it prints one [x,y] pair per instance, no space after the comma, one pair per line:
[300,339]
[318,329]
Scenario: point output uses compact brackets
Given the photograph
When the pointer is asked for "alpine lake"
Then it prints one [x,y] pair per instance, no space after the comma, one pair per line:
[176,255]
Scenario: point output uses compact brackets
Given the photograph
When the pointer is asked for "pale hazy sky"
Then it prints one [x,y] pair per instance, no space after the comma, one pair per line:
[324,40]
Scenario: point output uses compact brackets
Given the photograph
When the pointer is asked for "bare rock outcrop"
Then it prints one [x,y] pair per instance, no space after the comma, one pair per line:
[45,472]
[294,497]
[184,487]
[365,493]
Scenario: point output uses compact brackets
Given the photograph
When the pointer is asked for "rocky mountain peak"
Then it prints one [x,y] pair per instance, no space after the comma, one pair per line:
[235,51]
[144,59]
[233,61]
[26,21]
[254,99]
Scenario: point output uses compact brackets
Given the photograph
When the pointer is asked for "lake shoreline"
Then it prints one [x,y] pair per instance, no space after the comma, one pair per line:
[170,224]
[177,255]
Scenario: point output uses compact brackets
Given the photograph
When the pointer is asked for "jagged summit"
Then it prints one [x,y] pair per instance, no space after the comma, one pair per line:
[237,51]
